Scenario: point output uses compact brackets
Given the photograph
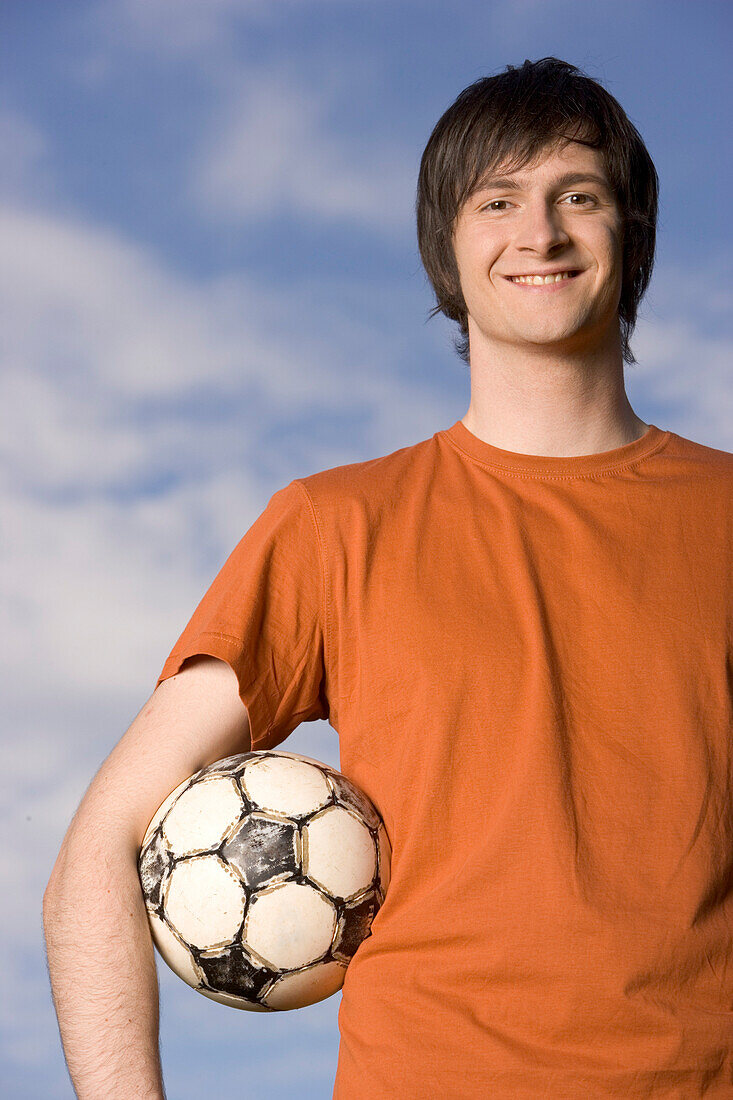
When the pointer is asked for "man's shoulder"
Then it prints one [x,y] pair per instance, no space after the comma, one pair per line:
[699,458]
[372,479]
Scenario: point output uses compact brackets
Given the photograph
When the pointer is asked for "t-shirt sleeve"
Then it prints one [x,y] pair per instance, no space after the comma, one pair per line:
[264,615]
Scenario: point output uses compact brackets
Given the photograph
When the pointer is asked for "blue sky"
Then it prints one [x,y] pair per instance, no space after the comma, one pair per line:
[210,286]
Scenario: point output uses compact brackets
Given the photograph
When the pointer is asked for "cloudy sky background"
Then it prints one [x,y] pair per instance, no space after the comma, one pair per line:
[210,285]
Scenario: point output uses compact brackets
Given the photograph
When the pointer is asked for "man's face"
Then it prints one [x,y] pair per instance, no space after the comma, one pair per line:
[545,222]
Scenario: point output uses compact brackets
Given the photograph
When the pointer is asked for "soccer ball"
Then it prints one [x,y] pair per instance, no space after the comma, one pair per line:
[262,874]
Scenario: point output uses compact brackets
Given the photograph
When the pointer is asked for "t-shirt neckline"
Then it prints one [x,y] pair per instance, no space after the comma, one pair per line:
[652,440]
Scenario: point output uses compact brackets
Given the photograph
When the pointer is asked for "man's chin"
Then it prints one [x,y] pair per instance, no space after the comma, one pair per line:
[571,336]
[555,340]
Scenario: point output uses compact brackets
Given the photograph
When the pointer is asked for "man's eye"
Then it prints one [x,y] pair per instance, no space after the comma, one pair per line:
[580,195]
[494,203]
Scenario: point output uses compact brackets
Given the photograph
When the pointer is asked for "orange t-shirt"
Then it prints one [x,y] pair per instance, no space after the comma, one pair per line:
[529,664]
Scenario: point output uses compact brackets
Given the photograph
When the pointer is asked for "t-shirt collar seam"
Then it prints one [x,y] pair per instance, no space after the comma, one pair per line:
[539,475]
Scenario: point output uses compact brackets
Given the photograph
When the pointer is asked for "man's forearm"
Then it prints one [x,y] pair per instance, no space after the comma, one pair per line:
[103,977]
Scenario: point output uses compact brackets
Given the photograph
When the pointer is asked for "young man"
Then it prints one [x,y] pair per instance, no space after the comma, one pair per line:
[520,629]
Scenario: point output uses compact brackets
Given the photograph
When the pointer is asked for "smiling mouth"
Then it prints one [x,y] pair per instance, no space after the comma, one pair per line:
[542,280]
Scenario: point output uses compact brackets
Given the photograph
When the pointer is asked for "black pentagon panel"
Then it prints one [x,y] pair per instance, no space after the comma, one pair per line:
[232,971]
[152,866]
[350,796]
[355,925]
[263,849]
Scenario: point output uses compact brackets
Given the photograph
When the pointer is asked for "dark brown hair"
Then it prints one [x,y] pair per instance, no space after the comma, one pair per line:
[511,119]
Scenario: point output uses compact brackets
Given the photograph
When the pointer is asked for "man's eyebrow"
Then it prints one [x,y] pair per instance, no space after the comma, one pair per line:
[515,183]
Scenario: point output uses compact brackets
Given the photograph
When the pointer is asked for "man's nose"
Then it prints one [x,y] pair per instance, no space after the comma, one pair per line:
[540,229]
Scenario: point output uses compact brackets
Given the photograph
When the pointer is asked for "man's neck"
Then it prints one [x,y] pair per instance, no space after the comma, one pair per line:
[532,402]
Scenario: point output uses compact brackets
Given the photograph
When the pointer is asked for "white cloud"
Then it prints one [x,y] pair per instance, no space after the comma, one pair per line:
[271,150]
[686,369]
[684,347]
[134,408]
[25,167]
[169,28]
[270,144]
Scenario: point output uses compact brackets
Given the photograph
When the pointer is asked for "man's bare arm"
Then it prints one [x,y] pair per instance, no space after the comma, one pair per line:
[99,948]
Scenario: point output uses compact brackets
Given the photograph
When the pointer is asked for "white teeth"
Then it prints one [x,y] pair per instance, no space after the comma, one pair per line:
[539,280]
